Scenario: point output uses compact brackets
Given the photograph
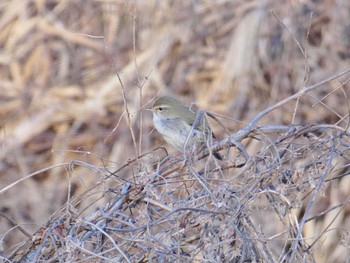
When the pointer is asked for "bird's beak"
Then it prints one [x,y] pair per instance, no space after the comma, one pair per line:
[149,110]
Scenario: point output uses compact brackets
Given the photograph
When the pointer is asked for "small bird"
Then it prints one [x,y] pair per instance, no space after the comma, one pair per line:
[174,121]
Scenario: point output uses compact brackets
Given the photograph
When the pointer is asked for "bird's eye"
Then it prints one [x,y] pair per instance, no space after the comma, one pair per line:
[160,108]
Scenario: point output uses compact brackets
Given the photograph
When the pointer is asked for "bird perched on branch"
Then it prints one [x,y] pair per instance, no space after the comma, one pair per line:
[182,127]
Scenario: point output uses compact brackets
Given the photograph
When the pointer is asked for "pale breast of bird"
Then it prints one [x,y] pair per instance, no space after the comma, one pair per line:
[175,132]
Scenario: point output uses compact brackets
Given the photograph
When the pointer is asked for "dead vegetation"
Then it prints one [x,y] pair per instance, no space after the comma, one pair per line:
[81,177]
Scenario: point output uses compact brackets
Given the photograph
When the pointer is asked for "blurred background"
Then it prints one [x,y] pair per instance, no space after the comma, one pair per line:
[75,77]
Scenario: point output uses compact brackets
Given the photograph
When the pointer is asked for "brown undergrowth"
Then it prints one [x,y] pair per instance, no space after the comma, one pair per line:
[82,178]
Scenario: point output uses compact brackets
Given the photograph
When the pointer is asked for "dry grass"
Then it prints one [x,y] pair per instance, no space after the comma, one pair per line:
[81,177]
